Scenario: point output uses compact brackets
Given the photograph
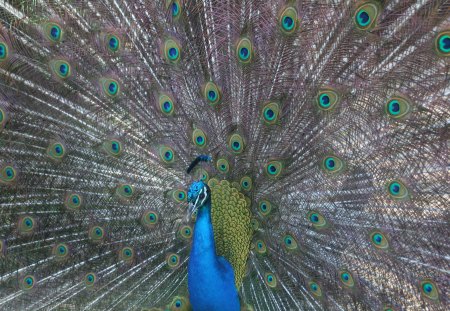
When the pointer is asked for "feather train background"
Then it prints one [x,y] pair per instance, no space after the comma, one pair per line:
[330,116]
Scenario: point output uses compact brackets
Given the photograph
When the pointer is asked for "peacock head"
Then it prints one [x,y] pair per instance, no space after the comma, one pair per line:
[198,195]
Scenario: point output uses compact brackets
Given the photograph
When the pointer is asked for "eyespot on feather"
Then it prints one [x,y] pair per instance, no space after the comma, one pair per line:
[172,51]
[288,20]
[366,15]
[244,51]
[53,31]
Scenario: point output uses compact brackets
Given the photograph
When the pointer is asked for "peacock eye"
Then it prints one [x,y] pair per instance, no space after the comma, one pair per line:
[202,195]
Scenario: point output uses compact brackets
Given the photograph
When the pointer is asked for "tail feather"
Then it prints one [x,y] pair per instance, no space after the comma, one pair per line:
[339,126]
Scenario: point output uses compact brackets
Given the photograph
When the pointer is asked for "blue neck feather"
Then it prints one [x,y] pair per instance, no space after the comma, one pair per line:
[210,277]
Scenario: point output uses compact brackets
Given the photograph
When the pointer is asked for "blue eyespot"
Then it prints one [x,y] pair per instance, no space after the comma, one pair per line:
[3,51]
[378,238]
[397,190]
[28,223]
[60,251]
[269,114]
[55,32]
[330,163]
[212,95]
[398,107]
[29,281]
[394,107]
[272,169]
[270,280]
[261,247]
[427,287]
[288,20]
[366,15]
[444,44]
[363,18]
[288,23]
[96,234]
[110,87]
[167,106]
[244,53]
[394,188]
[126,254]
[63,69]
[173,53]
[236,143]
[324,100]
[327,98]
[60,68]
[168,155]
[113,42]
[315,289]
[149,219]
[115,146]
[175,9]
[89,279]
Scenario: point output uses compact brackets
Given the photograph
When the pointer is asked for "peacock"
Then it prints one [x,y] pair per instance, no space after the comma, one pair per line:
[224,155]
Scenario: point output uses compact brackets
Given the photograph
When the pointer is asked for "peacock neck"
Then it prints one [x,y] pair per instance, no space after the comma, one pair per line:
[210,277]
[203,244]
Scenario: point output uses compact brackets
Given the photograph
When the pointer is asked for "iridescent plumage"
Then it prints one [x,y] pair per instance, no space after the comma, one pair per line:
[325,124]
